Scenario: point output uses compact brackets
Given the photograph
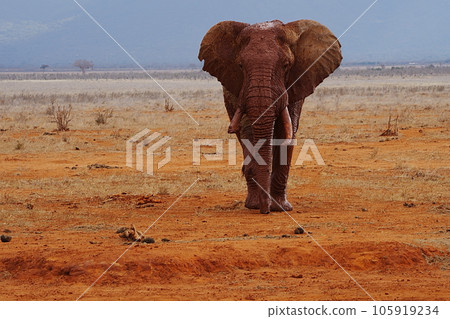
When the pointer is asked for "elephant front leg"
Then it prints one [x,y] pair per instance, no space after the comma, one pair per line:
[252,200]
[280,168]
[279,177]
[282,156]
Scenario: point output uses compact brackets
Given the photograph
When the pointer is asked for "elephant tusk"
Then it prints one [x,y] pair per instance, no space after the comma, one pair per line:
[235,121]
[287,126]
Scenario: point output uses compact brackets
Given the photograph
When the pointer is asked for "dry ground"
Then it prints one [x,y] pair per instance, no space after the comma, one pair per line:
[380,206]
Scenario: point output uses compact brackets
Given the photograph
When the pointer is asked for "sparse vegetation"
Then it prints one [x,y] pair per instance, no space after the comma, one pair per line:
[83,65]
[43,67]
[62,115]
[168,107]
[19,145]
[51,109]
[80,188]
[391,131]
[102,116]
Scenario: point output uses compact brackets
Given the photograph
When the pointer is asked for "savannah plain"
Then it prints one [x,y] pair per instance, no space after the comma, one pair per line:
[380,206]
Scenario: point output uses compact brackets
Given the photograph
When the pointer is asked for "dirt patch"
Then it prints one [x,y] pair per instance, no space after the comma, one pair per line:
[63,216]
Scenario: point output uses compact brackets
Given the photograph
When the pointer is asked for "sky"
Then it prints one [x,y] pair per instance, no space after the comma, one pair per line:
[161,33]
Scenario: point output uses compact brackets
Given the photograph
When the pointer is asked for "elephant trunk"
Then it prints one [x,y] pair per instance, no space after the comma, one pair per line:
[263,101]
[262,161]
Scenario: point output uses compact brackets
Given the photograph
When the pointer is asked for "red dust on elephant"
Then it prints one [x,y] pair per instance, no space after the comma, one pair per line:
[267,70]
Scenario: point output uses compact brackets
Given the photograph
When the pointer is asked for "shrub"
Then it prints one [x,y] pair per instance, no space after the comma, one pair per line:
[168,107]
[103,116]
[62,115]
[19,145]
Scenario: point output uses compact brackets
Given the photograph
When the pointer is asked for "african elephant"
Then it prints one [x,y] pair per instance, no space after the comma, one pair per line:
[267,70]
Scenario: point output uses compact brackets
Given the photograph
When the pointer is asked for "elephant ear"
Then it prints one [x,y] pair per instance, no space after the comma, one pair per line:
[219,49]
[317,53]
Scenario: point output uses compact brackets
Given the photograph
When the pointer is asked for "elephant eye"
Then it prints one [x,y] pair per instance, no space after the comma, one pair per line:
[240,65]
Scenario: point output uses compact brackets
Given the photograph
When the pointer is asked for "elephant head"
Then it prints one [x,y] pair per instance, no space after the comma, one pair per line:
[268,66]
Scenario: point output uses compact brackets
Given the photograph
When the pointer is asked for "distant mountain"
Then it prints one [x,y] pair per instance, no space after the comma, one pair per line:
[168,33]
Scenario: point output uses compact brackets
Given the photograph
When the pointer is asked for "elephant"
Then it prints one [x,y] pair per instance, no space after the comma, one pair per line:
[266,71]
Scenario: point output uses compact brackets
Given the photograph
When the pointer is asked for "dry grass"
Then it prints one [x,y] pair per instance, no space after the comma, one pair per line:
[343,110]
[53,199]
[102,116]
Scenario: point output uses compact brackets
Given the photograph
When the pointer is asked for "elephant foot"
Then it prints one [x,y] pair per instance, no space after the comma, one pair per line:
[259,201]
[252,201]
[280,203]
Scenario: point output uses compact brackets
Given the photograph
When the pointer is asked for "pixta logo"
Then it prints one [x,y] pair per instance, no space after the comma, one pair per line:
[150,143]
[253,150]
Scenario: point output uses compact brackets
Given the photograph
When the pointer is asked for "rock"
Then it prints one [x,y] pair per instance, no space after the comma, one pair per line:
[96,165]
[72,270]
[121,230]
[285,236]
[145,205]
[147,201]
[131,234]
[165,240]
[299,230]
[30,206]
[5,238]
[148,240]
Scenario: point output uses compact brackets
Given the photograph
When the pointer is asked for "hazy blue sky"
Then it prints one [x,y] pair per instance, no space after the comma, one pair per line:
[158,32]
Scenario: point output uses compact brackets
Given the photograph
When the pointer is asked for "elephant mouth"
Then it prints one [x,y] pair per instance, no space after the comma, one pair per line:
[285,120]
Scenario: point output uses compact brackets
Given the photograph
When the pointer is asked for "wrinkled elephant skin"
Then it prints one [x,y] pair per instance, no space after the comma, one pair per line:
[267,70]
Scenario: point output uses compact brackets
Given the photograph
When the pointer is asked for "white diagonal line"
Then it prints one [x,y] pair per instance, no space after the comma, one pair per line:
[315,61]
[134,243]
[315,241]
[134,60]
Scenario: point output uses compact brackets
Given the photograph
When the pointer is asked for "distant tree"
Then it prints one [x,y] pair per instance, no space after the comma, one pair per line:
[43,67]
[83,65]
